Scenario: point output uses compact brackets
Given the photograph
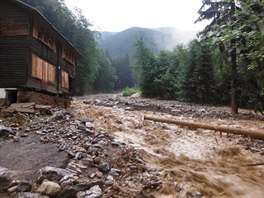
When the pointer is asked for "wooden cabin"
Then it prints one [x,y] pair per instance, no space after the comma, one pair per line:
[33,54]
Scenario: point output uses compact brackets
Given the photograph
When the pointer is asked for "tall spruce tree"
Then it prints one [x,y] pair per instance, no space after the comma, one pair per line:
[222,14]
[146,68]
[199,83]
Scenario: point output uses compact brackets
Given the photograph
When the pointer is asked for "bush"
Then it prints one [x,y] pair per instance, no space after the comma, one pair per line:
[130,91]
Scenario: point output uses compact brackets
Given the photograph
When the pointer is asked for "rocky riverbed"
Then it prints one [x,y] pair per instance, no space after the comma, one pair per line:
[102,147]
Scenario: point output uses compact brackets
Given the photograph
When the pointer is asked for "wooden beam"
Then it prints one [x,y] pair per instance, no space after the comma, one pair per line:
[247,132]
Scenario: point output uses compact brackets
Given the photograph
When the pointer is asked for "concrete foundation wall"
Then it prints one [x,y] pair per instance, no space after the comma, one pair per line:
[2,93]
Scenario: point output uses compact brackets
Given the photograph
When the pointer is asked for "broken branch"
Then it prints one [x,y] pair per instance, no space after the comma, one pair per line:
[195,125]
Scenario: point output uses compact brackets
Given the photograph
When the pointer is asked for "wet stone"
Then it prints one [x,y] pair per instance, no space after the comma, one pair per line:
[6,177]
[5,131]
[30,195]
[114,172]
[93,192]
[49,188]
[109,180]
[24,186]
[54,174]
[67,192]
[104,167]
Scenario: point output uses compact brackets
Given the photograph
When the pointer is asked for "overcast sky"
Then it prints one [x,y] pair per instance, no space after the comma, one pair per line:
[118,15]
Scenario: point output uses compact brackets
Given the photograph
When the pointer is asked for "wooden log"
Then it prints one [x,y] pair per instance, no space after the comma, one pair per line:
[247,132]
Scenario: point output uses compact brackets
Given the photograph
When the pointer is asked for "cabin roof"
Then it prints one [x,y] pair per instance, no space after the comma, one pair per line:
[35,11]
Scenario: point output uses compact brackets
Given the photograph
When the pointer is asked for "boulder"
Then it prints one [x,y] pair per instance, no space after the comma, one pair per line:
[93,192]
[5,131]
[68,192]
[54,174]
[49,188]
[6,177]
[30,195]
[24,186]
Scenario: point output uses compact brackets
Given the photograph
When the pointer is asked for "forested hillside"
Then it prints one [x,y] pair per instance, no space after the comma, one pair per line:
[120,43]
[225,66]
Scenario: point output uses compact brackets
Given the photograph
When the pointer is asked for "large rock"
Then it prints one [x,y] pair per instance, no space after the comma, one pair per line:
[93,192]
[6,177]
[44,109]
[68,192]
[24,186]
[54,174]
[21,107]
[49,188]
[5,131]
[30,195]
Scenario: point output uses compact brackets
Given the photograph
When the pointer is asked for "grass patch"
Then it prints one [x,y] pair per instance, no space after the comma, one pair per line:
[130,91]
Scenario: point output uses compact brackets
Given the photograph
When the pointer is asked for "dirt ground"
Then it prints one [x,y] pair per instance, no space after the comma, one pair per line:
[191,163]
[28,156]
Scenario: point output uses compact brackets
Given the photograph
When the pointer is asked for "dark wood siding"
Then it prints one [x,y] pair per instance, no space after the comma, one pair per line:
[13,48]
[20,28]
[13,61]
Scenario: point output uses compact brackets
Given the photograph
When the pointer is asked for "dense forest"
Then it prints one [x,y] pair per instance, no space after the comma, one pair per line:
[224,65]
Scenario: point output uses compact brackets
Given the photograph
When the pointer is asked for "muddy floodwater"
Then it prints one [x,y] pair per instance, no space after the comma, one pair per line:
[191,163]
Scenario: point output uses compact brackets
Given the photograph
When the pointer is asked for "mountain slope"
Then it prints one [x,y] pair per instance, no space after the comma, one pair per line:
[121,43]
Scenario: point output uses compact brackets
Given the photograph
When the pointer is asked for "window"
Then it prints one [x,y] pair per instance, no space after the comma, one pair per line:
[51,73]
[64,79]
[36,71]
[68,55]
[44,35]
[43,70]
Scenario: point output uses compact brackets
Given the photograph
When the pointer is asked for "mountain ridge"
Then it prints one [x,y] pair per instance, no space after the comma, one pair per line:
[164,38]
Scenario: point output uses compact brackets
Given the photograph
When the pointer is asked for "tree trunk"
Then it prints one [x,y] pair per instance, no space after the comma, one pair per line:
[256,133]
[234,105]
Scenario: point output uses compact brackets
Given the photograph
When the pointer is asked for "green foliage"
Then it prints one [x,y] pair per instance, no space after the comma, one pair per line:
[106,77]
[237,28]
[130,91]
[145,64]
[199,83]
[124,72]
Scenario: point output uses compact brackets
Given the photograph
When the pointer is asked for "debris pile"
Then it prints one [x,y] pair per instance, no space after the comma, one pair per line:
[97,165]
[175,108]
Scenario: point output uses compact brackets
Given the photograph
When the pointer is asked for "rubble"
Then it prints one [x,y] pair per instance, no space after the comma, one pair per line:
[100,163]
[92,154]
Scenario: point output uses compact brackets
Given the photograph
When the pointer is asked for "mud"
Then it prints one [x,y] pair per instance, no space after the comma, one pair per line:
[191,163]
[28,156]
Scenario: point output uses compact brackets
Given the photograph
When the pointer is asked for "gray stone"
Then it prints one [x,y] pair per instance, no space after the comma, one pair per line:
[6,177]
[5,131]
[24,186]
[67,192]
[84,184]
[49,188]
[93,192]
[104,167]
[54,174]
[30,195]
[44,109]
[115,172]
[109,180]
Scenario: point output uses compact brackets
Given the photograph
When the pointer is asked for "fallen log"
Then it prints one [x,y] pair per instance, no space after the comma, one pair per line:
[195,125]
